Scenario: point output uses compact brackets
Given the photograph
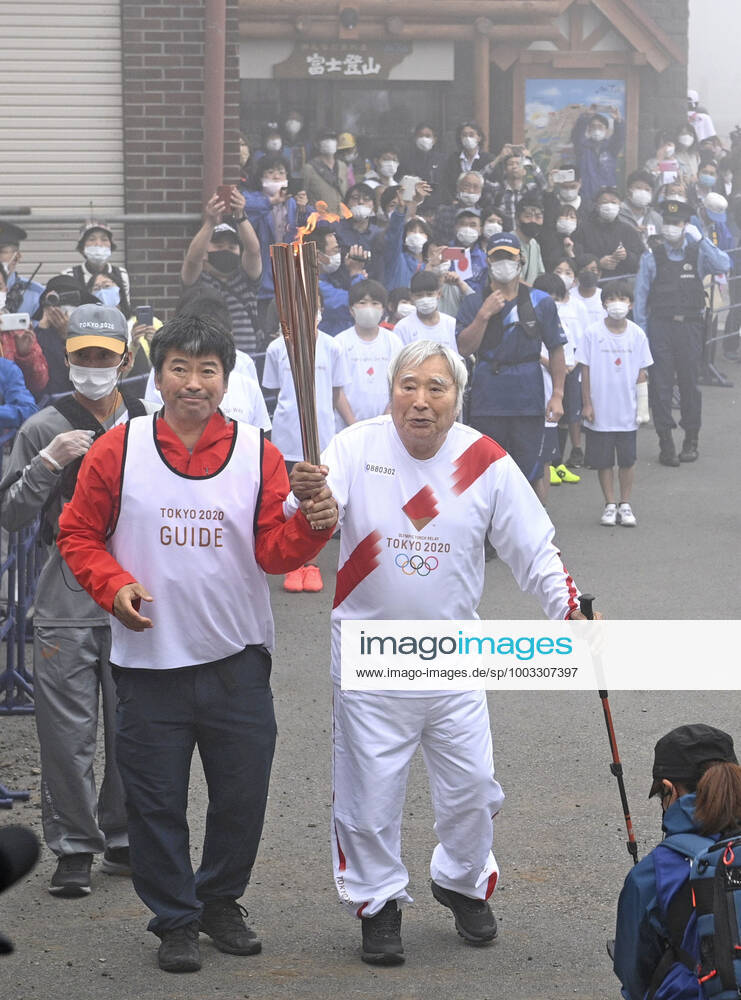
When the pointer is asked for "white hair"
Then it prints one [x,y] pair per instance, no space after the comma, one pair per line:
[470,173]
[415,354]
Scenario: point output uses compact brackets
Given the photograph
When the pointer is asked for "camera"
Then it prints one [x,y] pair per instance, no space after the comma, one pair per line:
[62,299]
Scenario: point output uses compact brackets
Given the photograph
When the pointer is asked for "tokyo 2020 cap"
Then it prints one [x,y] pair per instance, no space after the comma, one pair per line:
[682,754]
[508,242]
[97,326]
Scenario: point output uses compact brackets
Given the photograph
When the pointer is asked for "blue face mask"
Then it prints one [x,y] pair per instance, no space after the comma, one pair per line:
[707,180]
[108,296]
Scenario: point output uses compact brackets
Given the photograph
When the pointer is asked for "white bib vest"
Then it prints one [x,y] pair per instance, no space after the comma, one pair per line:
[190,542]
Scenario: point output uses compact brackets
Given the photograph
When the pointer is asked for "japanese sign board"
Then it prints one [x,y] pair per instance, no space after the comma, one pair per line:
[342,60]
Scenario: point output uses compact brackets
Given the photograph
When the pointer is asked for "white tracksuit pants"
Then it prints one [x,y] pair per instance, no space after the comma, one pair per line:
[375,737]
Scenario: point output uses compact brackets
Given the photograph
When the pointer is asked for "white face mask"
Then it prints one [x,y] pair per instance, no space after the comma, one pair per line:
[427,305]
[328,147]
[568,280]
[673,234]
[387,168]
[293,127]
[640,197]
[669,151]
[466,235]
[492,228]
[608,211]
[361,212]
[415,242]
[333,264]
[617,309]
[97,255]
[598,134]
[504,270]
[367,317]
[565,226]
[568,195]
[274,145]
[405,309]
[94,383]
[469,197]
[469,143]
[425,143]
[686,141]
[273,187]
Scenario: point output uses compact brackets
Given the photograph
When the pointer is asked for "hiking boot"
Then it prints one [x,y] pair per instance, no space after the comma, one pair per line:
[116,861]
[625,516]
[689,448]
[293,582]
[576,459]
[382,936]
[555,478]
[667,451]
[178,950]
[223,921]
[609,515]
[72,877]
[313,582]
[565,476]
[474,920]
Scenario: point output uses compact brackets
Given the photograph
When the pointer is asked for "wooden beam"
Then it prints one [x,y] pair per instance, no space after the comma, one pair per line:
[319,30]
[482,82]
[498,10]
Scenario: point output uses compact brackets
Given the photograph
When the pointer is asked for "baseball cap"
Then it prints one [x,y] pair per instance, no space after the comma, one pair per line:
[675,211]
[97,326]
[508,242]
[346,140]
[682,754]
[90,227]
[224,229]
[468,210]
[716,206]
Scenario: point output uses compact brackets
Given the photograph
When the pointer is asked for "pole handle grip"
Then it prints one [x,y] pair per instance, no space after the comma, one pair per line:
[585,606]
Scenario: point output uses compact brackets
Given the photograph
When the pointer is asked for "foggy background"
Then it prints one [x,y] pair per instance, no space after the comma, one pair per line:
[714,65]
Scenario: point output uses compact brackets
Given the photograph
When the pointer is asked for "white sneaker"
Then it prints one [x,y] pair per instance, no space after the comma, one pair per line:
[609,515]
[626,516]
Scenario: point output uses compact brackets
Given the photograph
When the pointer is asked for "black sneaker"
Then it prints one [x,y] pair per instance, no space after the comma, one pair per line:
[382,936]
[116,861]
[178,950]
[576,459]
[72,877]
[474,920]
[223,921]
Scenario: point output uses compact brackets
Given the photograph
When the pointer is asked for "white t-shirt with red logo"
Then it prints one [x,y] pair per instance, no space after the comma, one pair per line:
[615,361]
[412,328]
[368,362]
[412,541]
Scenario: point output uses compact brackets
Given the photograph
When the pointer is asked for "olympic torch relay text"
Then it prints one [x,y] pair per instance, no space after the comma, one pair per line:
[538,655]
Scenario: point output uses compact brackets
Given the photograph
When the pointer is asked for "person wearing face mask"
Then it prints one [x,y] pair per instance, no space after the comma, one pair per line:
[71,633]
[470,155]
[368,349]
[637,208]
[467,235]
[617,244]
[529,228]
[399,305]
[225,256]
[295,144]
[698,117]
[347,153]
[469,191]
[96,246]
[586,290]
[271,142]
[60,297]
[275,217]
[512,176]
[707,178]
[426,160]
[670,305]
[561,193]
[325,175]
[335,278]
[361,229]
[22,347]
[427,322]
[504,325]
[452,286]
[597,150]
[557,237]
[687,154]
[574,319]
[385,170]
[614,357]
[663,166]
[25,293]
[405,239]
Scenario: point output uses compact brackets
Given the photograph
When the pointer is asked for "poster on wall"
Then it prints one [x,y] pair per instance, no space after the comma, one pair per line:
[581,122]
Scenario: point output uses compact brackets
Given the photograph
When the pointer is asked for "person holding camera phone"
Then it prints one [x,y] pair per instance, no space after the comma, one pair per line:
[21,346]
[71,633]
[60,298]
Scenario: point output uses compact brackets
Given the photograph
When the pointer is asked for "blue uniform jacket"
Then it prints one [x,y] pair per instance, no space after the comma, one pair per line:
[260,213]
[31,293]
[398,263]
[710,260]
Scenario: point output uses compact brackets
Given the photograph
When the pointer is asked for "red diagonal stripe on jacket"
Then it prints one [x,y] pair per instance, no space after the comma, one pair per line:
[474,462]
[362,560]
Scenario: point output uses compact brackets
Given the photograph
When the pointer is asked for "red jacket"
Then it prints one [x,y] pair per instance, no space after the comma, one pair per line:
[33,365]
[86,520]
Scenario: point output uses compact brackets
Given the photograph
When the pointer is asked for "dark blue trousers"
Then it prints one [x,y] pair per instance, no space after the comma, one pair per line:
[225,708]
[676,347]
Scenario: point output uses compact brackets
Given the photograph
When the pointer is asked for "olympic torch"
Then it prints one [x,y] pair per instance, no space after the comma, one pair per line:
[296,278]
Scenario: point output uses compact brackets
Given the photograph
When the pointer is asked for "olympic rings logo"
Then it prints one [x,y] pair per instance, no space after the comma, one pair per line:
[409,565]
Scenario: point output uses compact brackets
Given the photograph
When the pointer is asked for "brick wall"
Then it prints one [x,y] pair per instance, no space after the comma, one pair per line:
[163,129]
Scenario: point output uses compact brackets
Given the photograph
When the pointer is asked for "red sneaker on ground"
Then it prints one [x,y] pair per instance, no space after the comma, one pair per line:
[313,582]
[293,582]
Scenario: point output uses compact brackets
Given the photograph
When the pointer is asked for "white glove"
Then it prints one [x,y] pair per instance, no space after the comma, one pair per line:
[692,233]
[642,414]
[66,447]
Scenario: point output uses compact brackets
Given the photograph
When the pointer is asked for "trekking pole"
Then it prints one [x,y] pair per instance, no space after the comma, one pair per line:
[585,606]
